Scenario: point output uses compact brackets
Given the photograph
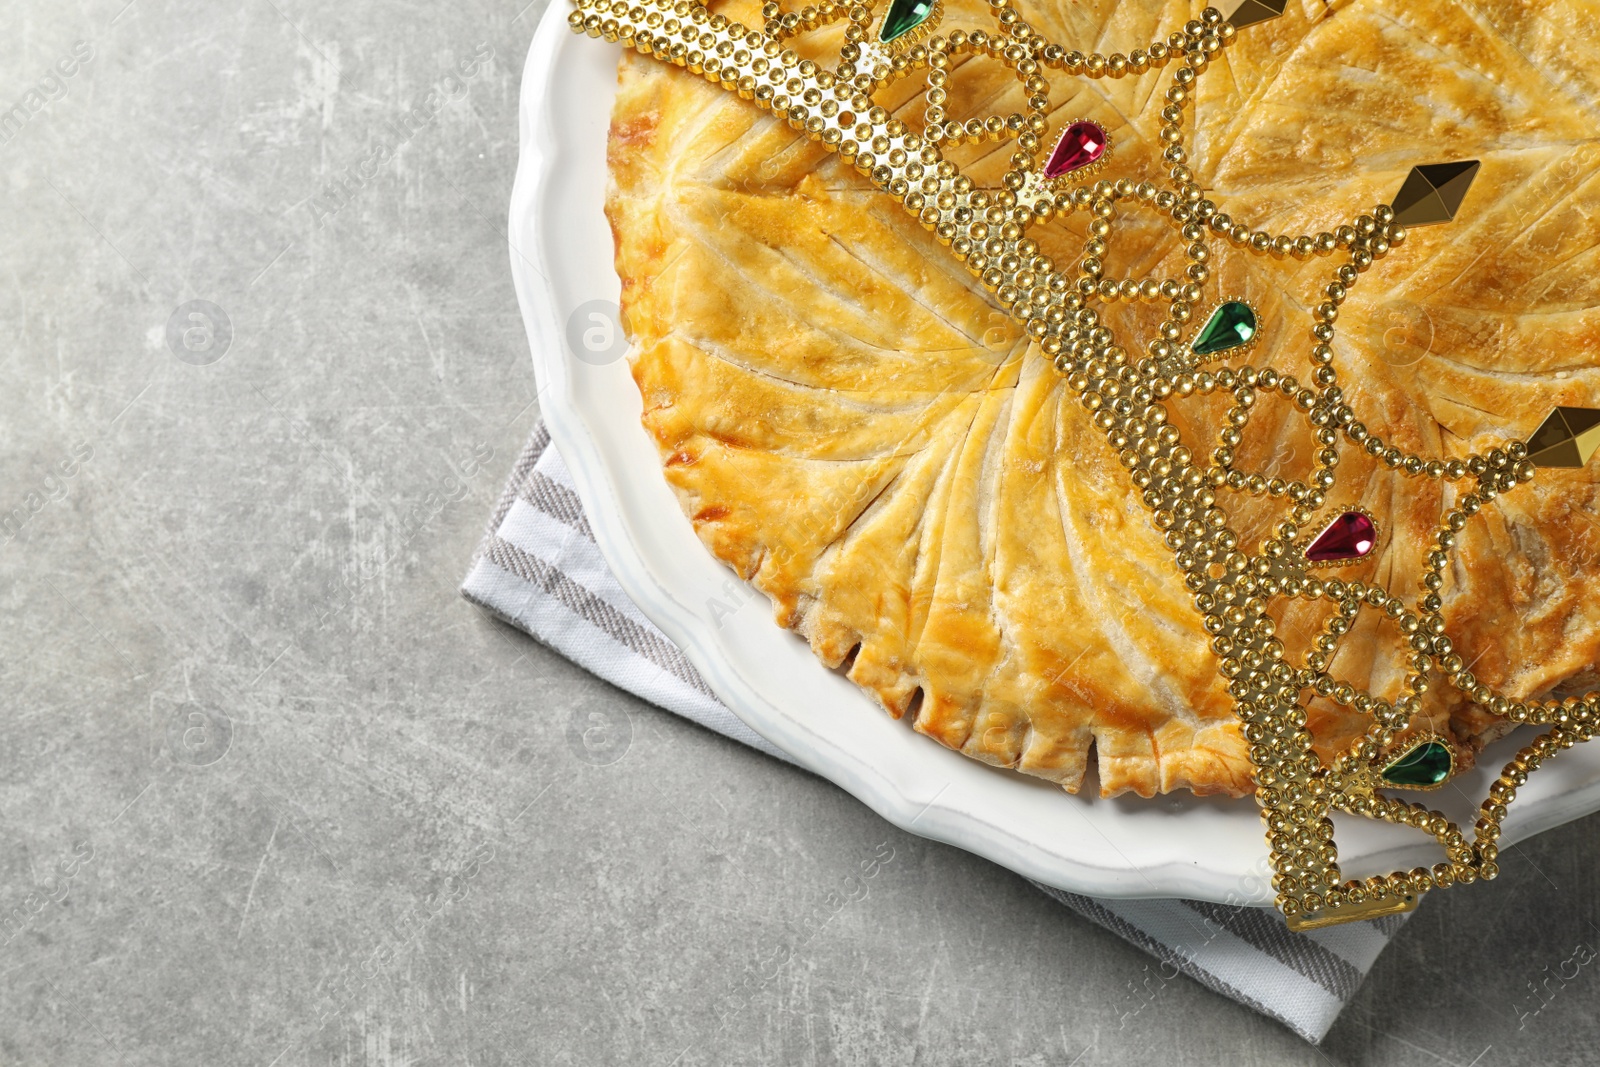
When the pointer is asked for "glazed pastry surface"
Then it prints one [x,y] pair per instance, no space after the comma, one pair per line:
[854,425]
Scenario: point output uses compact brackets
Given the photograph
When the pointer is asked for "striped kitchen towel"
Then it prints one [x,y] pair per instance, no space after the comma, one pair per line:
[540,570]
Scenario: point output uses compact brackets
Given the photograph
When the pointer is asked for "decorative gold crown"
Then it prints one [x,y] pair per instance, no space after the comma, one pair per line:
[987,229]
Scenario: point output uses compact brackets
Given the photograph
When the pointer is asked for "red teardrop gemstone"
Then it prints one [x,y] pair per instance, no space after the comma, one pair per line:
[1081,144]
[1350,536]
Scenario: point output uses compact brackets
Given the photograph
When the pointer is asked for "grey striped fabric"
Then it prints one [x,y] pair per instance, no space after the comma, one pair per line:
[539,569]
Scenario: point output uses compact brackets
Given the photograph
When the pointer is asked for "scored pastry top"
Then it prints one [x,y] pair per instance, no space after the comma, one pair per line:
[854,424]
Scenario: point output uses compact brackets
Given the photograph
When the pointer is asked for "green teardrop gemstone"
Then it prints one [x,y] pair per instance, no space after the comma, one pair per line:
[1230,326]
[1426,764]
[902,17]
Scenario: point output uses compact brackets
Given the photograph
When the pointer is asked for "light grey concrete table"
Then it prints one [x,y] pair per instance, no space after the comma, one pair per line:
[271,793]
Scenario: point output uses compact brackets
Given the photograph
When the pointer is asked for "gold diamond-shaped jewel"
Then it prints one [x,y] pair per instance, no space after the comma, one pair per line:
[1566,439]
[1433,192]
[1249,12]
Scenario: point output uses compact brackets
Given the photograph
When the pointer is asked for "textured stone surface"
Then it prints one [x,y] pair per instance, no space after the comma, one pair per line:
[318,810]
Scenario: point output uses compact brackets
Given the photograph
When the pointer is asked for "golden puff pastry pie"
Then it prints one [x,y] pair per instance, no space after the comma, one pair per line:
[854,425]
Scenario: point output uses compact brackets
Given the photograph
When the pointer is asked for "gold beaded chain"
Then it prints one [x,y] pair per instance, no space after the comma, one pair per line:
[1129,397]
